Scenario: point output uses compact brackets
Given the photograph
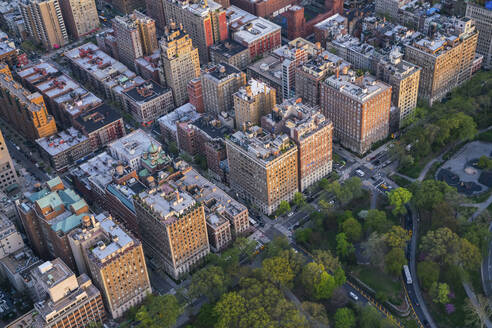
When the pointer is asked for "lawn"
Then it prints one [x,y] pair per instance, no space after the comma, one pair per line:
[485,136]
[414,171]
[482,197]
[432,171]
[380,282]
[401,181]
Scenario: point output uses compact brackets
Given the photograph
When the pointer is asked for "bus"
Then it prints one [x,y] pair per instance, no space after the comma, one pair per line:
[407,274]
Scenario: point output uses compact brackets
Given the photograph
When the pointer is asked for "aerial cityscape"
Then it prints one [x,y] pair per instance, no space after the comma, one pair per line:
[245,163]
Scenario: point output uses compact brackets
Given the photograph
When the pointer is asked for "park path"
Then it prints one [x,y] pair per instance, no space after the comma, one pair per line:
[473,298]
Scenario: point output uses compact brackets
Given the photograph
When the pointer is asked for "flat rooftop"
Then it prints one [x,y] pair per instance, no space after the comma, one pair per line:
[133,144]
[212,127]
[167,203]
[126,192]
[119,240]
[269,67]
[332,22]
[61,141]
[255,30]
[256,87]
[99,169]
[262,145]
[146,92]
[185,113]
[97,118]
[53,272]
[198,9]
[222,72]
[228,48]
[361,89]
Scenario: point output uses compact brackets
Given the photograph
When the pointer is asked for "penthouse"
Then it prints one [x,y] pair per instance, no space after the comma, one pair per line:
[64,97]
[92,65]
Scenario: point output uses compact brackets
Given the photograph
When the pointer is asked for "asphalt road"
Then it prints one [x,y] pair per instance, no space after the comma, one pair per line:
[26,163]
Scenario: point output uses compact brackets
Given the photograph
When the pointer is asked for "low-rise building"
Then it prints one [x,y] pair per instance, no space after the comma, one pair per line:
[230,52]
[64,148]
[148,101]
[330,28]
[130,148]
[167,123]
[16,268]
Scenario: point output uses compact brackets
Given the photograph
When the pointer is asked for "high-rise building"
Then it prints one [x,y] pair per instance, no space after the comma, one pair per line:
[205,22]
[44,22]
[114,260]
[262,167]
[135,36]
[251,102]
[48,216]
[389,8]
[230,52]
[155,10]
[64,300]
[483,21]
[219,84]
[80,16]
[10,239]
[180,62]
[24,110]
[309,75]
[446,61]
[8,176]
[359,108]
[126,6]
[173,229]
[311,131]
[404,79]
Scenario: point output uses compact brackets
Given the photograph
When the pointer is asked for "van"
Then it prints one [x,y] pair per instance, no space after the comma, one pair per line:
[353,296]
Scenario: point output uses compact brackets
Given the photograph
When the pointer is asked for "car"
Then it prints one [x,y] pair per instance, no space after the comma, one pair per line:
[290,214]
[359,173]
[382,185]
[353,296]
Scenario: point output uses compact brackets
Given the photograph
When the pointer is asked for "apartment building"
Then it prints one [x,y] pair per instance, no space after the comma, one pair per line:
[251,102]
[309,75]
[311,131]
[130,148]
[195,94]
[64,300]
[80,17]
[24,110]
[403,77]
[204,21]
[155,9]
[114,260]
[10,238]
[180,62]
[8,175]
[230,52]
[446,60]
[65,99]
[330,28]
[126,6]
[48,216]
[16,268]
[483,21]
[262,167]
[167,123]
[44,23]
[148,101]
[135,37]
[389,8]
[219,83]
[173,229]
[359,107]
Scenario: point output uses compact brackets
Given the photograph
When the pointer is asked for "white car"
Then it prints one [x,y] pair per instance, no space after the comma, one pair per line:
[360,173]
[290,214]
[353,296]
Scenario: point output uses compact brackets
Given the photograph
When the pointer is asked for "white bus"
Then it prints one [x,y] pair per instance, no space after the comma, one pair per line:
[407,274]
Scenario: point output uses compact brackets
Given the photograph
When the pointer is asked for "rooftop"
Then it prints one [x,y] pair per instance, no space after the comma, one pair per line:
[222,72]
[228,48]
[21,262]
[130,21]
[145,92]
[61,141]
[185,113]
[198,8]
[360,89]
[51,273]
[255,30]
[167,203]
[97,118]
[253,89]
[132,145]
[126,192]
[262,145]
[269,67]
[333,22]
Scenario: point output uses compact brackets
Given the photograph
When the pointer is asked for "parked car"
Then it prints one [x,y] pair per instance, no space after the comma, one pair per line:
[353,296]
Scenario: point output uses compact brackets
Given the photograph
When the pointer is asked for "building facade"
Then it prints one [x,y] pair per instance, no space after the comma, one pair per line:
[483,21]
[230,52]
[180,62]
[251,102]
[44,22]
[359,108]
[80,16]
[8,175]
[263,168]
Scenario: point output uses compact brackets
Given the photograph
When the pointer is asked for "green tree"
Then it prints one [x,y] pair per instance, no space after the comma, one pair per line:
[374,249]
[210,282]
[324,183]
[430,192]
[317,312]
[173,148]
[428,273]
[206,318]
[398,198]
[276,246]
[299,199]
[440,292]
[369,317]
[230,309]
[278,270]
[303,236]
[326,258]
[395,260]
[353,229]
[319,283]
[344,247]
[485,163]
[283,208]
[376,221]
[397,237]
[354,186]
[159,311]
[344,318]
[325,205]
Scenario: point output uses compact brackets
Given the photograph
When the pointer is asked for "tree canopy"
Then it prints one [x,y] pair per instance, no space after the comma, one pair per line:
[398,198]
